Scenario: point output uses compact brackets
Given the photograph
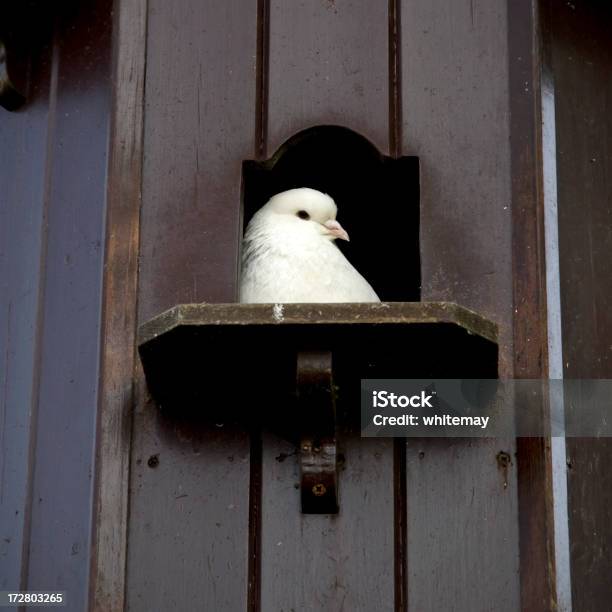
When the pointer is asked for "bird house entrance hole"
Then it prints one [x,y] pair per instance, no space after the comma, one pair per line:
[377,198]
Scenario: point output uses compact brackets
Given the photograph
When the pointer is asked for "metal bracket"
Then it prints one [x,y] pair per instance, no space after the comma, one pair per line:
[317,417]
[10,97]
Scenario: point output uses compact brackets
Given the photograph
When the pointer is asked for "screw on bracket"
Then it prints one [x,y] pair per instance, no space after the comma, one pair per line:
[504,461]
[319,489]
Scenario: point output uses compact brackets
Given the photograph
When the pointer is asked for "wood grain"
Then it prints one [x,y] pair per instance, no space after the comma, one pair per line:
[339,562]
[455,118]
[329,65]
[107,586]
[468,503]
[353,314]
[199,126]
[189,516]
[581,61]
[534,459]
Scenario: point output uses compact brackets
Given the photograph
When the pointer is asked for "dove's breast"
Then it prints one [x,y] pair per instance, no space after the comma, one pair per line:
[284,269]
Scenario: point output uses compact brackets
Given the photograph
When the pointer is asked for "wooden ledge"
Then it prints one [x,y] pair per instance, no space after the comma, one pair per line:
[385,313]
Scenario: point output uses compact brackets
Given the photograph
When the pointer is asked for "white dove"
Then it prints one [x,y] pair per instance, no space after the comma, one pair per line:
[289,255]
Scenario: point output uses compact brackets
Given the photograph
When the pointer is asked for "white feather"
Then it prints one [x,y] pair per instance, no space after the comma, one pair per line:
[289,259]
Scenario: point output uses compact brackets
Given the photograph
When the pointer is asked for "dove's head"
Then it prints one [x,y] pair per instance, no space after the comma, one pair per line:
[305,209]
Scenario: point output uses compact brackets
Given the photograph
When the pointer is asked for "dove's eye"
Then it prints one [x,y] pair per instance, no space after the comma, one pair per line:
[302,214]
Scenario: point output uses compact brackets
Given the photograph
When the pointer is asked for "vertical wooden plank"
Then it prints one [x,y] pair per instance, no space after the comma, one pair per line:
[455,118]
[329,64]
[189,488]
[61,488]
[581,62]
[188,516]
[534,456]
[461,509]
[326,562]
[119,310]
[23,138]
[473,491]
[199,126]
[582,57]
[455,112]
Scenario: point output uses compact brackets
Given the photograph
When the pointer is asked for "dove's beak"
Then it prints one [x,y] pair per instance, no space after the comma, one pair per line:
[336,230]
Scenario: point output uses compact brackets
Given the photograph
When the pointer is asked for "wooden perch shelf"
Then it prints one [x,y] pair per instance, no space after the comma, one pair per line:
[235,361]
[296,368]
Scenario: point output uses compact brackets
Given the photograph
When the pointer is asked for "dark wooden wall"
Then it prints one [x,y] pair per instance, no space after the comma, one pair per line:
[455,101]
[123,177]
[53,161]
[581,37]
[328,64]
[233,83]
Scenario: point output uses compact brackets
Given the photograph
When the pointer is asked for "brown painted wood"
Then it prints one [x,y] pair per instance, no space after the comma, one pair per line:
[463,566]
[329,562]
[199,126]
[534,467]
[328,64]
[455,118]
[23,158]
[458,128]
[194,487]
[107,582]
[66,387]
[189,516]
[356,315]
[582,64]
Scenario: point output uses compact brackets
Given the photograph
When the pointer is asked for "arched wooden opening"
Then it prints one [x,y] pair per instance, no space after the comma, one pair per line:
[377,198]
